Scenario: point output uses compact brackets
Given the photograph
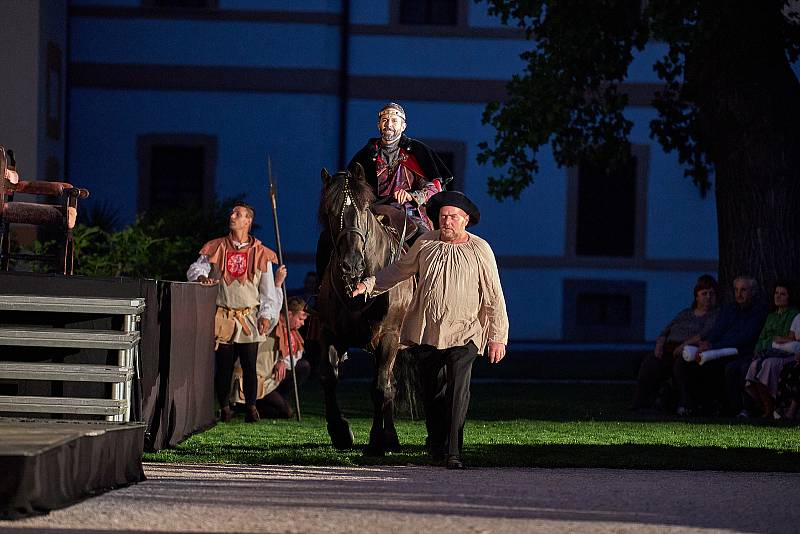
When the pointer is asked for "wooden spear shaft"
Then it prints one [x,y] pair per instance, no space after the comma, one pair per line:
[290,343]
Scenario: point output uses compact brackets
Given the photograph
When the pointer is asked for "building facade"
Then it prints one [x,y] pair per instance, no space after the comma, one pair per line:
[177,102]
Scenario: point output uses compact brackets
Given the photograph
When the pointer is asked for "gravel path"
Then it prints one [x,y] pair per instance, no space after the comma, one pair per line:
[269,498]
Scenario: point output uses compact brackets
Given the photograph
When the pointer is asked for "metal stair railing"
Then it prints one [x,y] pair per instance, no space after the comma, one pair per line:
[126,342]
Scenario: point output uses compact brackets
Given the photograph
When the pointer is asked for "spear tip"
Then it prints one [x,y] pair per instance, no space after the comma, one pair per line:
[269,173]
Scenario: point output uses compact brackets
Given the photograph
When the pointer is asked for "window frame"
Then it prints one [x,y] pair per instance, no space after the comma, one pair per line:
[145,144]
[642,155]
[636,290]
[459,151]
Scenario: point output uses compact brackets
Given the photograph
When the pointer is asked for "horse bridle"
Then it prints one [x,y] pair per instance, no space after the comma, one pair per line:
[345,230]
[363,234]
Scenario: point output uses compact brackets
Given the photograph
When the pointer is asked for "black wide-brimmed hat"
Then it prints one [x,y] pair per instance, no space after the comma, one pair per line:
[452,198]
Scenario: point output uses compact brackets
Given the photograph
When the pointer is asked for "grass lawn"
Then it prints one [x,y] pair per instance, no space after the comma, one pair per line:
[521,425]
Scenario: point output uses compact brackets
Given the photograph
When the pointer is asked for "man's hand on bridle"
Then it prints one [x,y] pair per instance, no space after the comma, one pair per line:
[359,290]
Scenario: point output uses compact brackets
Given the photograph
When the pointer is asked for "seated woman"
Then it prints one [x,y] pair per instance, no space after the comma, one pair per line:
[781,327]
[690,324]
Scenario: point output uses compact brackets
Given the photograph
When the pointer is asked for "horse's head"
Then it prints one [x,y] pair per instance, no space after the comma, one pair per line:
[344,211]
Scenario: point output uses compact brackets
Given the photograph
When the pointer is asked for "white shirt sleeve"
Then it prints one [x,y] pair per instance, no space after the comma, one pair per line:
[270,297]
[199,268]
[795,328]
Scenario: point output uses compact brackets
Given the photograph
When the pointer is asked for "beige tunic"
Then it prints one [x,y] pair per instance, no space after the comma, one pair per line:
[458,298]
[240,295]
[242,271]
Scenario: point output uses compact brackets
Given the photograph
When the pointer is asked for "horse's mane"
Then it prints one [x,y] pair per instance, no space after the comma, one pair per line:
[332,194]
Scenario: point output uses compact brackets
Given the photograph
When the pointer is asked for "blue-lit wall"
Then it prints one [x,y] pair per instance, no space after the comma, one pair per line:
[299,130]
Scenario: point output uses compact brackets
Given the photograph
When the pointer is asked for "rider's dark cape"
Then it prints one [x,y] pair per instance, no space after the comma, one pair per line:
[429,161]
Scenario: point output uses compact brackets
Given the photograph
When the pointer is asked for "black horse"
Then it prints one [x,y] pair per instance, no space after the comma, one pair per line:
[362,245]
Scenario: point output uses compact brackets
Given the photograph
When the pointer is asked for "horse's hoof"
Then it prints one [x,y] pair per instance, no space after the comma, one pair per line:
[341,435]
[393,446]
[373,451]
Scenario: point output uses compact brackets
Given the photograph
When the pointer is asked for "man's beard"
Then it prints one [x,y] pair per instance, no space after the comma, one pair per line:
[448,234]
[389,136]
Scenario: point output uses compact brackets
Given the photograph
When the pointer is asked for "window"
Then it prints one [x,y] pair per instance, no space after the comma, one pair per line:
[606,211]
[449,159]
[454,155]
[432,12]
[176,170]
[603,310]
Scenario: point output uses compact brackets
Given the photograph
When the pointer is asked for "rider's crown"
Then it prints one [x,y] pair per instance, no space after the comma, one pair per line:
[392,109]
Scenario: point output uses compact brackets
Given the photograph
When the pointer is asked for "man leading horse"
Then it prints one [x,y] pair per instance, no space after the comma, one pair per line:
[457,311]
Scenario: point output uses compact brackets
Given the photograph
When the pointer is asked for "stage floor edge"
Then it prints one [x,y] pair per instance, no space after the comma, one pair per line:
[46,464]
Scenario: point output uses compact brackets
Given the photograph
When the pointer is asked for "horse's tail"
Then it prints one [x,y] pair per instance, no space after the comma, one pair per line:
[408,389]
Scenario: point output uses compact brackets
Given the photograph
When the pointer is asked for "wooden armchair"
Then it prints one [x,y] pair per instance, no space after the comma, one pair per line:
[57,215]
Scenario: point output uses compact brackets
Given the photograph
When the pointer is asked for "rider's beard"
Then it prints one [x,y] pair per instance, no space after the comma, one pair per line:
[389,136]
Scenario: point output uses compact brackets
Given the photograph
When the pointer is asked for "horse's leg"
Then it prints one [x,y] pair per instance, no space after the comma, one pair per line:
[375,445]
[338,427]
[390,439]
[383,435]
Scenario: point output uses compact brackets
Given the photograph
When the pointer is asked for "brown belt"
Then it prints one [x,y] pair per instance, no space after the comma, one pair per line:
[239,315]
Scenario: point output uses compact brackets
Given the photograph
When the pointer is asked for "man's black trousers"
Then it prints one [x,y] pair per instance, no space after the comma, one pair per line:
[445,375]
[226,358]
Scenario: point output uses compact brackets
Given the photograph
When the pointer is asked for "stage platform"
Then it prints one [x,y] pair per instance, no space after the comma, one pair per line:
[55,447]
[49,464]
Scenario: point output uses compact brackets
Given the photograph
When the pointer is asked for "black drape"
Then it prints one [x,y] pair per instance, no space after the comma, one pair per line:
[173,393]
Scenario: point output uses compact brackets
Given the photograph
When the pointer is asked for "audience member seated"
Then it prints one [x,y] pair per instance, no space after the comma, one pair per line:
[789,389]
[709,385]
[690,323]
[781,329]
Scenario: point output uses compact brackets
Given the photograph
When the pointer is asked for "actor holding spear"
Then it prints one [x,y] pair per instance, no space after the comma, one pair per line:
[249,300]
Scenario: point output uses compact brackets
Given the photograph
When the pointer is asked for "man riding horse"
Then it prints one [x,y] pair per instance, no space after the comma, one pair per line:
[362,246]
[399,168]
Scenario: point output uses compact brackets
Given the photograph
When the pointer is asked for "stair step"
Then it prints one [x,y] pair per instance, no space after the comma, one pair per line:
[24,404]
[112,306]
[31,336]
[64,371]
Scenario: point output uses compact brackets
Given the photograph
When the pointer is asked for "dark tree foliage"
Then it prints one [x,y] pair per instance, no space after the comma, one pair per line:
[157,245]
[729,107]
